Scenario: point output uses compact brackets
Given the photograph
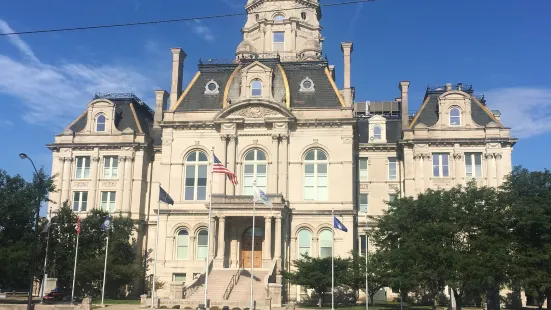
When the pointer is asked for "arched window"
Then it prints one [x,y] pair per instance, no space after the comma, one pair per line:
[255,167]
[326,243]
[304,239]
[256,88]
[182,244]
[100,123]
[455,116]
[196,166]
[377,133]
[279,17]
[202,242]
[315,175]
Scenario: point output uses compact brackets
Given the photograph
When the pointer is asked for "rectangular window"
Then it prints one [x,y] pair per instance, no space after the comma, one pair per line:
[110,167]
[202,246]
[440,165]
[179,277]
[392,168]
[363,169]
[315,182]
[391,197]
[80,201]
[363,244]
[279,41]
[108,201]
[326,248]
[473,165]
[363,202]
[83,167]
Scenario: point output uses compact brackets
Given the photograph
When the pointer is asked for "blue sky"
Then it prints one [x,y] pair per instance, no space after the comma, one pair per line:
[46,80]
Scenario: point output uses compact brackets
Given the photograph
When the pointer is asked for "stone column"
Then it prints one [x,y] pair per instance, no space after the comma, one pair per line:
[267,248]
[273,168]
[211,236]
[418,172]
[315,247]
[499,177]
[222,184]
[234,247]
[68,161]
[427,158]
[490,167]
[293,250]
[278,245]
[93,183]
[221,237]
[191,247]
[283,165]
[458,165]
[120,184]
[127,184]
[230,188]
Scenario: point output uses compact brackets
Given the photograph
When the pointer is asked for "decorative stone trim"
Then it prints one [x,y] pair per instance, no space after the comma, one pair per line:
[307,85]
[212,88]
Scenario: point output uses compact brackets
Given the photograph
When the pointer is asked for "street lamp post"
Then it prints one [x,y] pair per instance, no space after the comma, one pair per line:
[37,211]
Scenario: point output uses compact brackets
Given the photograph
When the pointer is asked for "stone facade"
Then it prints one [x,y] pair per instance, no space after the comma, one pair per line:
[273,116]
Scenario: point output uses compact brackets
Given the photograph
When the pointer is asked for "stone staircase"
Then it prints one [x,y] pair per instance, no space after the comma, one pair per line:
[218,283]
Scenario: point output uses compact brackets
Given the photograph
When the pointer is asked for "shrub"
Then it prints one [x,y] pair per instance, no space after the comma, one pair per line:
[236,308]
[176,307]
[214,308]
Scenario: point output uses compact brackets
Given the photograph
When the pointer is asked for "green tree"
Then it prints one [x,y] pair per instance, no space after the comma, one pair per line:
[315,273]
[18,200]
[529,195]
[377,273]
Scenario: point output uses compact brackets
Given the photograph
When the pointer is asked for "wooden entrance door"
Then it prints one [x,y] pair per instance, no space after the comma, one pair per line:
[247,251]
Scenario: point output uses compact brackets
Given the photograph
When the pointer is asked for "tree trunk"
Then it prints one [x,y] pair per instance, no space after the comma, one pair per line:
[371,298]
[548,294]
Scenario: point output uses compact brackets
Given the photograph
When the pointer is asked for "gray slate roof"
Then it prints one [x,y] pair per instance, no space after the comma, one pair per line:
[428,114]
[393,130]
[324,95]
[124,117]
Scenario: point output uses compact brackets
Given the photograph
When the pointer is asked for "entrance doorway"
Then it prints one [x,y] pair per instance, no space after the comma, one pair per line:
[247,247]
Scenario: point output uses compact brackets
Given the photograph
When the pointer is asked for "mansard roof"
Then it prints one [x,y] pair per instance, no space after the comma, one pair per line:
[393,129]
[286,85]
[130,112]
[428,113]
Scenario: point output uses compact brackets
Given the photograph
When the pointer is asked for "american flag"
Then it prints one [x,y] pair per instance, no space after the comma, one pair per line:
[219,168]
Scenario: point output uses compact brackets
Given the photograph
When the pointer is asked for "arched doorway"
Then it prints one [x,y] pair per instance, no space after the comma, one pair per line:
[247,247]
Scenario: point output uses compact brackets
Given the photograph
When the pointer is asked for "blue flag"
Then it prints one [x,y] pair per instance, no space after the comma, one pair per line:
[338,225]
[106,225]
[164,197]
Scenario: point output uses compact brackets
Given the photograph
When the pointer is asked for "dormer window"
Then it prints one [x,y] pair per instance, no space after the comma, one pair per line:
[279,17]
[256,88]
[100,123]
[455,116]
[377,133]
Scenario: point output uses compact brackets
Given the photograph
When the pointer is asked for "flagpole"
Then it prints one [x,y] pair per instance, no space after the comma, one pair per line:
[44,277]
[333,261]
[105,267]
[209,230]
[156,251]
[366,252]
[252,256]
[75,270]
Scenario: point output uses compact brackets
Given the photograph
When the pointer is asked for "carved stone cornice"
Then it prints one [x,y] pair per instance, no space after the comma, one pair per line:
[498,156]
[488,155]
[224,138]
[457,156]
[275,138]
[96,159]
[284,138]
[427,157]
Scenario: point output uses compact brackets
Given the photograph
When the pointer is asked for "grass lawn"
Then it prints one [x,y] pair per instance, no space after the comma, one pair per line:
[97,301]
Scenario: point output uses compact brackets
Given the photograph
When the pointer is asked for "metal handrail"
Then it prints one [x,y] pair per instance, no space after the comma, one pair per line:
[233,283]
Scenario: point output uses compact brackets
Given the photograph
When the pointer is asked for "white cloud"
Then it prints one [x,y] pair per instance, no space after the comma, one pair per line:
[526,110]
[5,123]
[200,29]
[234,4]
[55,94]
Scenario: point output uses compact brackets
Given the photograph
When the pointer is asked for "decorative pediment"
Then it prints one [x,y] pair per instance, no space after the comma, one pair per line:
[254,110]
[256,66]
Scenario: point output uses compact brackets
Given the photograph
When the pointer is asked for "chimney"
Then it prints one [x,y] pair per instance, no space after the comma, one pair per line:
[404,86]
[346,48]
[161,97]
[178,57]
[459,86]
[332,71]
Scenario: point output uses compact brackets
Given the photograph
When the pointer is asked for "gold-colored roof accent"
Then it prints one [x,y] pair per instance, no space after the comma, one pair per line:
[286,84]
[485,108]
[334,86]
[136,117]
[227,88]
[186,91]
[418,112]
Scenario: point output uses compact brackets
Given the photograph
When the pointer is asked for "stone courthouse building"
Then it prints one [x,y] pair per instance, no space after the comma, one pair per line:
[274,115]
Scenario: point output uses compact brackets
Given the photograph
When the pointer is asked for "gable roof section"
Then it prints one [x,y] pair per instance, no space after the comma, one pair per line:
[195,99]
[129,113]
[324,95]
[428,112]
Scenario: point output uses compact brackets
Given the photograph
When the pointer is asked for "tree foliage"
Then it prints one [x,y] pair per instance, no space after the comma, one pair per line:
[18,200]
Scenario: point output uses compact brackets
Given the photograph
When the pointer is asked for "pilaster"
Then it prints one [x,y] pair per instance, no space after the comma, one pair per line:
[232,145]
[120,184]
[67,163]
[458,165]
[212,233]
[274,166]
[191,247]
[127,184]
[283,165]
[427,170]
[221,241]
[93,183]
[499,176]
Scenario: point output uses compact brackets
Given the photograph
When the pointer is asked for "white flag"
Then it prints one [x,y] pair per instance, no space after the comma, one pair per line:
[260,196]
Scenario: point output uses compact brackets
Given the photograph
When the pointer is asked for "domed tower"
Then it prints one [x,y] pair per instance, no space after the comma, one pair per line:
[288,29]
